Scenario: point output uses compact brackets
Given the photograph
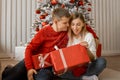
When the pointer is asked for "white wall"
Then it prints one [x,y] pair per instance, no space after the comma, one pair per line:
[17,17]
[0,21]
[16,20]
[107,24]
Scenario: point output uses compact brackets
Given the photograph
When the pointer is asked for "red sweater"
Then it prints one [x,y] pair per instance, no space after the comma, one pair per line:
[44,42]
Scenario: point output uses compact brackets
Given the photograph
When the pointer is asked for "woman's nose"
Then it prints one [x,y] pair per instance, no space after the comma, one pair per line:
[74,27]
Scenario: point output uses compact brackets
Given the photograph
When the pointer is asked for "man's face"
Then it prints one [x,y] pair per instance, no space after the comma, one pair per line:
[62,24]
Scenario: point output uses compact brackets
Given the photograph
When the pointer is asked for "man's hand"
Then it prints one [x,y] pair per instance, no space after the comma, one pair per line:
[84,43]
[30,74]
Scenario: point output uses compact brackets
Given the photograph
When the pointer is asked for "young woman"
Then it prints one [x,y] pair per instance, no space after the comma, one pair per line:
[78,34]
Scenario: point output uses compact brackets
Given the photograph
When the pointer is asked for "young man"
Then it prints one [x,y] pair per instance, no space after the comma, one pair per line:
[44,42]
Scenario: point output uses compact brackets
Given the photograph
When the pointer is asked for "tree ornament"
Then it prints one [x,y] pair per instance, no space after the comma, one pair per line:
[37,11]
[89,4]
[63,6]
[89,9]
[53,2]
[80,3]
[44,23]
[46,14]
[37,29]
[42,16]
[72,1]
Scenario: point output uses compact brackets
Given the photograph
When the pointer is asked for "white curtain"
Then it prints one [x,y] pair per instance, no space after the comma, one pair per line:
[16,21]
[107,25]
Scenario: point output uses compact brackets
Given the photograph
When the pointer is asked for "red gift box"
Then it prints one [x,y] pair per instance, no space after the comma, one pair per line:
[41,61]
[69,58]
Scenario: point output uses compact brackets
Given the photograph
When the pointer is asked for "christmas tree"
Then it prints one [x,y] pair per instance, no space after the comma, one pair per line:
[45,7]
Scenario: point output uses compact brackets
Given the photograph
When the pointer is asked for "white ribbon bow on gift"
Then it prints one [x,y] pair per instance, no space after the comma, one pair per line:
[42,59]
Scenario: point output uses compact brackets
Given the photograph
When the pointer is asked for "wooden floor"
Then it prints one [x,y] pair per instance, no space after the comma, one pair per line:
[113,64]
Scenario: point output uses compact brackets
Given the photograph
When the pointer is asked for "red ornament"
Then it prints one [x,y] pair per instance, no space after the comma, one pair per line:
[37,29]
[44,23]
[42,16]
[62,6]
[72,1]
[89,9]
[90,4]
[81,3]
[54,2]
[37,11]
[83,8]
[46,14]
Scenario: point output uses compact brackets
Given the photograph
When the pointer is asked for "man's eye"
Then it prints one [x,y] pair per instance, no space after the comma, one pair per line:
[65,23]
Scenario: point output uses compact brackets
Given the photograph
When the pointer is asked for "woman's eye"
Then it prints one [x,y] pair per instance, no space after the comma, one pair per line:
[72,24]
[78,24]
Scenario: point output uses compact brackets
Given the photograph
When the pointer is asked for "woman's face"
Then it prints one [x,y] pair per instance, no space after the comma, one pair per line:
[77,25]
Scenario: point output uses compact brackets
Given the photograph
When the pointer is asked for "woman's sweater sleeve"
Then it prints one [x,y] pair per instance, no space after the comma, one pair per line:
[91,43]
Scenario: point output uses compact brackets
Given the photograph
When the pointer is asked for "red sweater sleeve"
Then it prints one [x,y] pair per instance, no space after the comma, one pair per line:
[31,48]
[91,31]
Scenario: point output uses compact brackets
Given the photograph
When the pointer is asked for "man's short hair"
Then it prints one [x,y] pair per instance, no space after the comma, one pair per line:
[60,12]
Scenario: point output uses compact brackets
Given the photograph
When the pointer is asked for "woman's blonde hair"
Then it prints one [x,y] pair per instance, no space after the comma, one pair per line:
[80,16]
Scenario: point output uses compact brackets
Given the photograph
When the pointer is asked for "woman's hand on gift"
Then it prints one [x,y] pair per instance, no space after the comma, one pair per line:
[84,43]
[30,74]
